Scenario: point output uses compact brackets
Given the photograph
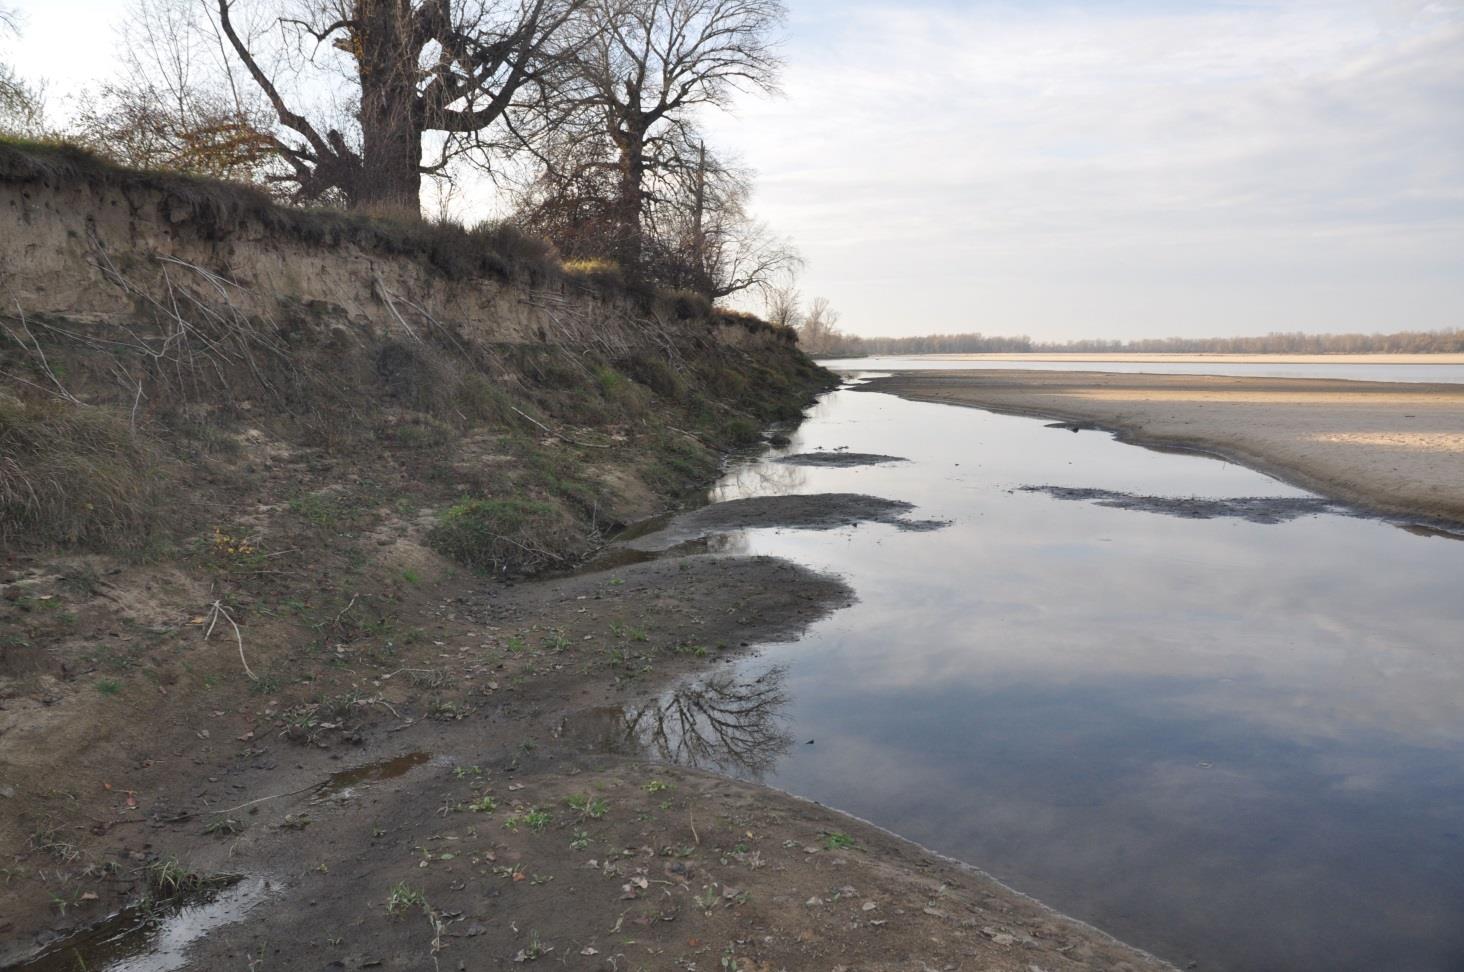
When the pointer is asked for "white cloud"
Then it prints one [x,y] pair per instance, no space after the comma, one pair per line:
[1123,169]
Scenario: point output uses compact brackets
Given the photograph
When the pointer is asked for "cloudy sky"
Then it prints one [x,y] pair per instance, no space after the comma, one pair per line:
[1121,168]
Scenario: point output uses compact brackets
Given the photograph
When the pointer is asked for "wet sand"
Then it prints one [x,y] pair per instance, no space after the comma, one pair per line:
[1394,448]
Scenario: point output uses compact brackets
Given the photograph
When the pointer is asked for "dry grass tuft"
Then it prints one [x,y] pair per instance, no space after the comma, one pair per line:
[72,475]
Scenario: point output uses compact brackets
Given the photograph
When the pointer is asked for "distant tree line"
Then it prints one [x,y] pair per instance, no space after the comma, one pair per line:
[829,342]
[583,113]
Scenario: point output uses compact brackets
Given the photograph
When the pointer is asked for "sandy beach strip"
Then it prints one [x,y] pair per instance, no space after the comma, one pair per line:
[1142,357]
[1392,447]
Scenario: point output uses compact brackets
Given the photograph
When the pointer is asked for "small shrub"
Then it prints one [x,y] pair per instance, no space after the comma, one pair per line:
[419,431]
[504,536]
[482,400]
[656,374]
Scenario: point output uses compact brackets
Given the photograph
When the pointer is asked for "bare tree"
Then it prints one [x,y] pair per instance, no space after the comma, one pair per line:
[644,66]
[781,307]
[458,69]
[21,104]
[570,199]
[176,104]
[819,332]
[712,244]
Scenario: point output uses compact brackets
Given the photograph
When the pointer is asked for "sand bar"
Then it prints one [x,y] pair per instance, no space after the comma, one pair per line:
[1392,447]
[1141,357]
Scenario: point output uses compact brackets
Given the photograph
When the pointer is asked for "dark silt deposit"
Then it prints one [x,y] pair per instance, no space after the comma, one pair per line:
[1255,509]
[818,511]
[837,459]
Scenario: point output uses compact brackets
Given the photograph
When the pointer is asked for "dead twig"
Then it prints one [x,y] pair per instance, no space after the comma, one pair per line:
[215,613]
[277,796]
[561,435]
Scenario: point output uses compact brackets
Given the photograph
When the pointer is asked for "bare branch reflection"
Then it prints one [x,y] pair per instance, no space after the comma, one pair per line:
[719,722]
[760,478]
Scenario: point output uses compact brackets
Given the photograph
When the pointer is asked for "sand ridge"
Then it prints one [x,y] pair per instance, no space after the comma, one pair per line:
[1392,447]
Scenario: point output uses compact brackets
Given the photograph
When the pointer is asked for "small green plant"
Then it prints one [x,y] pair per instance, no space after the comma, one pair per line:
[411,576]
[404,898]
[319,509]
[587,806]
[109,686]
[223,827]
[835,840]
[656,786]
[446,710]
[167,877]
[484,804]
[534,818]
[534,950]
[581,840]
[556,641]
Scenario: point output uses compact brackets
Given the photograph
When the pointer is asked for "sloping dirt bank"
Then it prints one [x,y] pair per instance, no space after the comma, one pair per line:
[1394,448]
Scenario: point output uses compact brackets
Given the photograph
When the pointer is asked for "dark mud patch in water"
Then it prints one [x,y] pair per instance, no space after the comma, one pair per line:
[1254,509]
[838,459]
[817,511]
[150,938]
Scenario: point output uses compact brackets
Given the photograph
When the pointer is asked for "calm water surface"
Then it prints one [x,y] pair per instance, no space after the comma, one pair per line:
[1232,743]
[1451,373]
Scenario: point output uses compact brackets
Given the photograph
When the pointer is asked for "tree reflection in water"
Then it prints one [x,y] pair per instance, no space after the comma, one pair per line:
[718,722]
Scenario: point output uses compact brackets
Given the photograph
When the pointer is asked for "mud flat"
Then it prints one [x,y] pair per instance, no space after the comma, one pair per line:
[1395,448]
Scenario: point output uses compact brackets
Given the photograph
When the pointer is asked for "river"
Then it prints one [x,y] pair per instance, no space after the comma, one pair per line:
[1450,372]
[1234,743]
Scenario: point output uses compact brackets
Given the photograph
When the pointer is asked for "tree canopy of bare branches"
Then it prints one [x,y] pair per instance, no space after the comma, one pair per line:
[21,108]
[458,69]
[643,67]
[174,104]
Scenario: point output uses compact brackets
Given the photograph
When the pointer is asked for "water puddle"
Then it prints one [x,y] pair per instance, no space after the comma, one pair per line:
[152,939]
[346,780]
[1234,739]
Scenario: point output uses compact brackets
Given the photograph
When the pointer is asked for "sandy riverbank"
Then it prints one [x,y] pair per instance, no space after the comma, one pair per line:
[1394,448]
[1142,357]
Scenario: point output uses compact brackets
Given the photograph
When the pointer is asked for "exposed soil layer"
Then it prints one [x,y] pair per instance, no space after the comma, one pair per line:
[837,459]
[1393,447]
[815,511]
[1256,509]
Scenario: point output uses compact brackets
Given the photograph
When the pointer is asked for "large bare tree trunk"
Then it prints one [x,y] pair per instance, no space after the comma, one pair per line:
[631,143]
[391,130]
